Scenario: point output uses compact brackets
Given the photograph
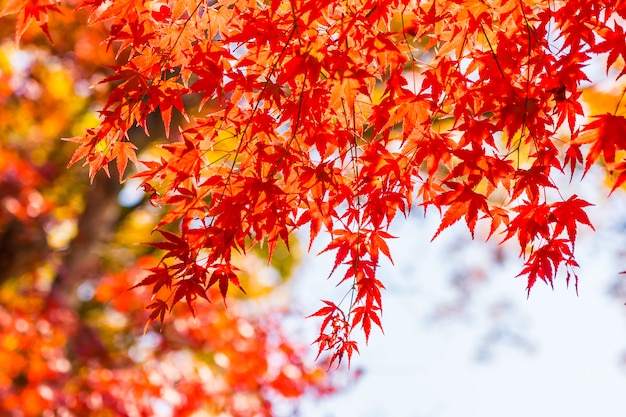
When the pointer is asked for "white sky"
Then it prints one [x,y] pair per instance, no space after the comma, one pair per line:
[500,354]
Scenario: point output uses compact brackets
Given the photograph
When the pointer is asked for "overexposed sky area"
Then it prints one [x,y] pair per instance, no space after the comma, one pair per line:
[462,339]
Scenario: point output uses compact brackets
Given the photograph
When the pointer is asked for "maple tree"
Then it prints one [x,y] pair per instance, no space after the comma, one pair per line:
[336,116]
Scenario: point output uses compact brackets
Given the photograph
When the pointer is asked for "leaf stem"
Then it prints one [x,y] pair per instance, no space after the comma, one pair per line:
[619,102]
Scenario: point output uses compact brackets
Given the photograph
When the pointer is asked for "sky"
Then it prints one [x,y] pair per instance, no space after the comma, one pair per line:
[463,339]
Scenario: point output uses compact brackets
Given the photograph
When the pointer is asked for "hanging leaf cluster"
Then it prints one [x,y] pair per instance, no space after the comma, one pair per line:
[337,116]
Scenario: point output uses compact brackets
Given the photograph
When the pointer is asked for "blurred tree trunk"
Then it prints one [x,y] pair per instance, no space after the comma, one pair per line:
[95,227]
[22,246]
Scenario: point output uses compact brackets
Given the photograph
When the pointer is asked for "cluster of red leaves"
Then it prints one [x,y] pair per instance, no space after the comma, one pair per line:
[332,115]
[29,11]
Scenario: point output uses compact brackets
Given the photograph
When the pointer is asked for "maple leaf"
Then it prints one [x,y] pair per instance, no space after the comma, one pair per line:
[170,96]
[159,308]
[573,156]
[530,181]
[605,136]
[613,43]
[344,242]
[463,202]
[568,213]
[568,108]
[29,11]
[189,289]
[544,262]
[531,222]
[378,242]
[224,275]
[84,150]
[334,334]
[621,177]
[327,312]
[123,152]
[158,278]
[365,315]
[174,245]
[499,216]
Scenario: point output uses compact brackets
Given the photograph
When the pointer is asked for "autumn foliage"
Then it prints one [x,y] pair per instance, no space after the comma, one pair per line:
[334,117]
